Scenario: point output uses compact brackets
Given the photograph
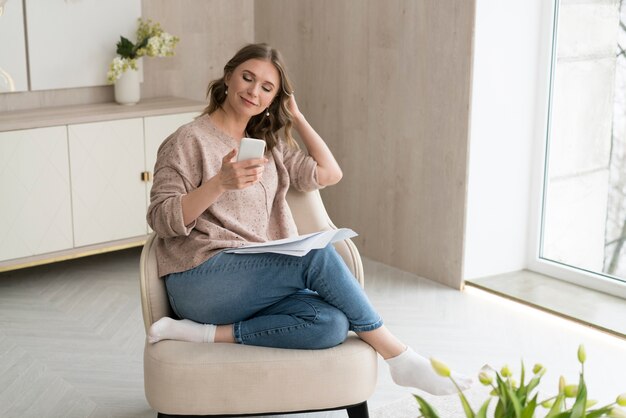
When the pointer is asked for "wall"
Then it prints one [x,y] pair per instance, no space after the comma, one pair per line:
[387,84]
[509,90]
[210,30]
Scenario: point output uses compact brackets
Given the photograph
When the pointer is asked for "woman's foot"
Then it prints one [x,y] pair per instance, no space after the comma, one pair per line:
[412,370]
[183,330]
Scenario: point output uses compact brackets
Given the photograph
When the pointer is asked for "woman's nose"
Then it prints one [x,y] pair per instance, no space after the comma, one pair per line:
[253,90]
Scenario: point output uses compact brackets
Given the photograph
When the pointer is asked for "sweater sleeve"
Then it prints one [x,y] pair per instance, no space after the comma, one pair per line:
[302,169]
[165,213]
[177,172]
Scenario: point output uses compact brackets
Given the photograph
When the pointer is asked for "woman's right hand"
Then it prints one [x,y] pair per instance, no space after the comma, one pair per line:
[238,175]
[232,176]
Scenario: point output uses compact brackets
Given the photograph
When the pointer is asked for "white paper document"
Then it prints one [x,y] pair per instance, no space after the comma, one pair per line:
[296,246]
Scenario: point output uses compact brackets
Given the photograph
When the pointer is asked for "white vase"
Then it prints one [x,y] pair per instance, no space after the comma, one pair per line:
[127,90]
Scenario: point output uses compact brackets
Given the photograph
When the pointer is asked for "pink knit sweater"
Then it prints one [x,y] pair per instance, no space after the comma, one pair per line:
[192,155]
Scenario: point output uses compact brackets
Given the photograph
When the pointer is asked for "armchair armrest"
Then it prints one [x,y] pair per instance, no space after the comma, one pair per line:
[310,215]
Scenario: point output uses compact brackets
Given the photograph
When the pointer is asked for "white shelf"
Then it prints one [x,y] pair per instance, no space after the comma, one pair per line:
[66,115]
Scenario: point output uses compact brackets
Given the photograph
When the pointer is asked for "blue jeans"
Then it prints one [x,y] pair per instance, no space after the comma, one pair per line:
[275,300]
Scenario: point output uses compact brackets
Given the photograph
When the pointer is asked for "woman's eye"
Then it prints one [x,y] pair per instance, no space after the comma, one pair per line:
[247,77]
[267,89]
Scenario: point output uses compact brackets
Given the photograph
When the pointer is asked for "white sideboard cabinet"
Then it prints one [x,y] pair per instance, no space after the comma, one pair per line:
[75,181]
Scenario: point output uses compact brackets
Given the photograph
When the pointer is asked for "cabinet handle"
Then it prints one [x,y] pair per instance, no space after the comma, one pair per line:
[146,176]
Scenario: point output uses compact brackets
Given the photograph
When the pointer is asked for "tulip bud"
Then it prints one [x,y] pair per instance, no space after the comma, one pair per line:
[571,391]
[621,399]
[485,378]
[582,355]
[494,392]
[441,369]
[514,383]
[548,403]
[617,413]
[539,369]
[505,371]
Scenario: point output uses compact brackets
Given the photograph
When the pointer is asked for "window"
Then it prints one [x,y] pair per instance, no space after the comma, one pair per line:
[583,228]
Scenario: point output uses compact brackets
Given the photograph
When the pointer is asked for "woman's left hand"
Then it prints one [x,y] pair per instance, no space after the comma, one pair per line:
[292,106]
[328,170]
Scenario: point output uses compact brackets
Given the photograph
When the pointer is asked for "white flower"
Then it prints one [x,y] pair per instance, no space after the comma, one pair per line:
[161,45]
[118,66]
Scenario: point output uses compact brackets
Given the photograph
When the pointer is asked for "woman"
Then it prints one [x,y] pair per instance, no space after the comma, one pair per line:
[203,201]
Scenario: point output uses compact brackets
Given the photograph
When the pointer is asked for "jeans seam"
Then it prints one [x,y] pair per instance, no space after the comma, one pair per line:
[173,306]
[314,270]
[237,332]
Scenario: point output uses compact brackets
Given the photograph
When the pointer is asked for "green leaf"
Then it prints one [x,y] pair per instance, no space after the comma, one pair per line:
[425,408]
[564,414]
[482,412]
[522,391]
[143,43]
[469,413]
[125,48]
[502,392]
[529,409]
[533,383]
[596,413]
[499,412]
[557,407]
[517,406]
[580,405]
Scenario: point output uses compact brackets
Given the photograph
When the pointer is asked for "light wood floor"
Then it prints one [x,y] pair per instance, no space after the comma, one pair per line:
[71,337]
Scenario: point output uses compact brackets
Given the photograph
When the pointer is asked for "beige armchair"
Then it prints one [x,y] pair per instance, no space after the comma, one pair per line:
[183,378]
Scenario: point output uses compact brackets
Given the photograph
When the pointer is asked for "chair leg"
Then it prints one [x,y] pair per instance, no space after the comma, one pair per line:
[358,411]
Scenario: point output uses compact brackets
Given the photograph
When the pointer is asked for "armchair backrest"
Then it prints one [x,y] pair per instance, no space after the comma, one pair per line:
[309,214]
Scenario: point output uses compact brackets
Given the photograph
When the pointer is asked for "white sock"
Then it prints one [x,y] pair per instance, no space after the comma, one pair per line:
[412,370]
[183,330]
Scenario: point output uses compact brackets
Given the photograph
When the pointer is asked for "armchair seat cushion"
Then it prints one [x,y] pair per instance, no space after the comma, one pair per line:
[183,378]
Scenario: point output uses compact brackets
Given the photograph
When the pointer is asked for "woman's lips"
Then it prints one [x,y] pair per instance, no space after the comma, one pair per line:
[248,101]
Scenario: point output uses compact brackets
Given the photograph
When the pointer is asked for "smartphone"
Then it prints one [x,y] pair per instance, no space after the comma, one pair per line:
[250,148]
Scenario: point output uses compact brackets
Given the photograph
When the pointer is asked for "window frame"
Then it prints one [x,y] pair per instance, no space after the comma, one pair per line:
[578,276]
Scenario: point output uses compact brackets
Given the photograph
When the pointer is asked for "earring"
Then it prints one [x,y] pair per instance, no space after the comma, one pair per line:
[226,92]
[267,111]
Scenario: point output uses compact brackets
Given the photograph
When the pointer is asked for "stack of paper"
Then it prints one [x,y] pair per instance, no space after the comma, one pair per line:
[296,246]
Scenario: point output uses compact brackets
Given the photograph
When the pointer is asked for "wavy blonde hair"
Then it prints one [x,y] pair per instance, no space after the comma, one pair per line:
[259,126]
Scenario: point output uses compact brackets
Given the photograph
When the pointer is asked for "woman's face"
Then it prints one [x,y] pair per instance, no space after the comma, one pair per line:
[252,86]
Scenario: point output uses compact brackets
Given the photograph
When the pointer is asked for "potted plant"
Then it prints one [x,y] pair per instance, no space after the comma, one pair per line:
[151,41]
[521,400]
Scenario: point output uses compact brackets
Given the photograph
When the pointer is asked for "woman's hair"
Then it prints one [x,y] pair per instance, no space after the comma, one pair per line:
[259,126]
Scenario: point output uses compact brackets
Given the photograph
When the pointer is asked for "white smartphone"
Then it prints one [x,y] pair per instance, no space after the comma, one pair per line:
[250,148]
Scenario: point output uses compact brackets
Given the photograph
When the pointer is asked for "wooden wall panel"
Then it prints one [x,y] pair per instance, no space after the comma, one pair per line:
[211,31]
[387,84]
